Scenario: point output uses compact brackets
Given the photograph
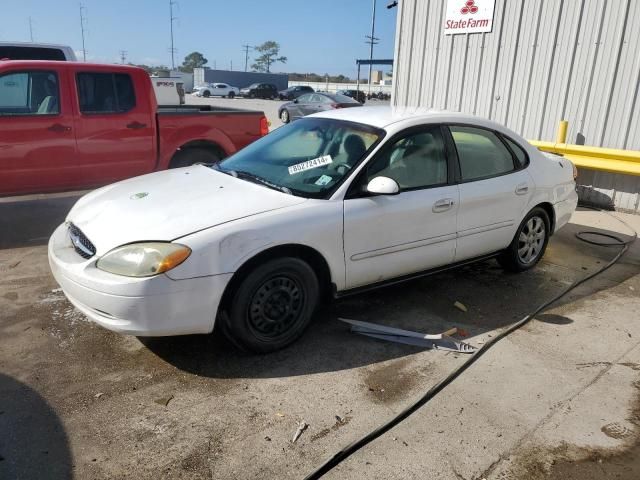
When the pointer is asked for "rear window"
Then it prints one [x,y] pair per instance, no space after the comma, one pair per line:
[32,53]
[343,99]
[105,93]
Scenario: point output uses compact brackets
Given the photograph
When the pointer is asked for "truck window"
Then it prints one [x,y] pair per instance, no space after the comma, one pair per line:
[29,93]
[19,52]
[105,93]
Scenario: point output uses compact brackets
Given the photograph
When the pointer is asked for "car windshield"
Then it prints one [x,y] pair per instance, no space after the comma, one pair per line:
[308,158]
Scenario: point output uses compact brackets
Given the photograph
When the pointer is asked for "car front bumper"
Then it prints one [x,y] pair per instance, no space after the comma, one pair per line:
[150,306]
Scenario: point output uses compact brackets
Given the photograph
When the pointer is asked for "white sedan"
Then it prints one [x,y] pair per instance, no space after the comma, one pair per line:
[216,90]
[335,203]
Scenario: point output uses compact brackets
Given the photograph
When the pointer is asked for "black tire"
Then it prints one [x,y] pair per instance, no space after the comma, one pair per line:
[528,244]
[190,156]
[206,94]
[272,305]
[232,95]
[284,116]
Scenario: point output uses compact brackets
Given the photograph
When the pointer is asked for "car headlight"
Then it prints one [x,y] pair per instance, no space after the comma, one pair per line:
[144,259]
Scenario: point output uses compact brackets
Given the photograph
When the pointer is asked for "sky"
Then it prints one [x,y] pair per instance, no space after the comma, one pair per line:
[317,36]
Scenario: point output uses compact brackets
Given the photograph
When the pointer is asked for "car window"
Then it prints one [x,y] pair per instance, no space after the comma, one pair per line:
[344,99]
[481,153]
[309,157]
[304,98]
[416,161]
[29,93]
[105,93]
[31,53]
[521,155]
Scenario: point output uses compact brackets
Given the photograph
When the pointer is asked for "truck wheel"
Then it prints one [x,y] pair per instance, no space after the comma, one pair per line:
[273,305]
[232,94]
[191,156]
[206,94]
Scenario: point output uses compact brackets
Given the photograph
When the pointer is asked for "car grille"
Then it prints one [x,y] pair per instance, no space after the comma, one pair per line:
[81,244]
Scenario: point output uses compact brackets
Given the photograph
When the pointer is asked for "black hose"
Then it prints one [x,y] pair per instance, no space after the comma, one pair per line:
[438,387]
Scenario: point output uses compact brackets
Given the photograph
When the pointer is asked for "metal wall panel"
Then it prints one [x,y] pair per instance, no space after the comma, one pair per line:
[544,61]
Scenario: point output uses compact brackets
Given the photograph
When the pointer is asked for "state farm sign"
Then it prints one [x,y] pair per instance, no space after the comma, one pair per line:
[469,16]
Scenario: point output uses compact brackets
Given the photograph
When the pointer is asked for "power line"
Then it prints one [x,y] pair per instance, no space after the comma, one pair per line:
[123,56]
[246,55]
[83,20]
[171,20]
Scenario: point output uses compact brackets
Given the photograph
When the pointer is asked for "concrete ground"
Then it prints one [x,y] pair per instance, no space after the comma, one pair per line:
[559,398]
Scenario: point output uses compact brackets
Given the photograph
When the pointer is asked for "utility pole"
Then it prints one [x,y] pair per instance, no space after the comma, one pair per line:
[246,56]
[372,40]
[31,29]
[83,20]
[171,20]
[123,56]
[231,65]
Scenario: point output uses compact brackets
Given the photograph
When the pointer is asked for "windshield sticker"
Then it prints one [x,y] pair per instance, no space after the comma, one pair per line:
[310,164]
[323,180]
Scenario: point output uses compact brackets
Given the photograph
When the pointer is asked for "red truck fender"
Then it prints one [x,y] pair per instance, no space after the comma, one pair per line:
[210,139]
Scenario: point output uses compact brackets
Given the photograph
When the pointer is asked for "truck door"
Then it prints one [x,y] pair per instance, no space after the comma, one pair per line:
[115,126]
[37,142]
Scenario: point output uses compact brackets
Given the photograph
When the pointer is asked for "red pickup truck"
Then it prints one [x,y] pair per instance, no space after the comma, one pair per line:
[70,125]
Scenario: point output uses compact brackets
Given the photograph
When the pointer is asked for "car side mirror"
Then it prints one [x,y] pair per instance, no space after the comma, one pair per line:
[295,101]
[383,186]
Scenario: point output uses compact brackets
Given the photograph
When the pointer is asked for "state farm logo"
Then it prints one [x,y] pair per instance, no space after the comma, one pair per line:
[469,7]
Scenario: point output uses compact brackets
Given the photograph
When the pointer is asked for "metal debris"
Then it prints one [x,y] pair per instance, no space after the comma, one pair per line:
[460,306]
[439,341]
[302,426]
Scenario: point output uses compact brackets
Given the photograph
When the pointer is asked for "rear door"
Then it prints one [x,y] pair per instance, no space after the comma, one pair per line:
[115,127]
[37,142]
[494,191]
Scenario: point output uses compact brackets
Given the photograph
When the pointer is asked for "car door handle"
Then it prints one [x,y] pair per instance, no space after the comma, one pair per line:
[443,205]
[522,189]
[59,128]
[136,125]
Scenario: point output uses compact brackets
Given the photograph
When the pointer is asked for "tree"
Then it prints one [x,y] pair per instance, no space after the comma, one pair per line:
[269,51]
[193,60]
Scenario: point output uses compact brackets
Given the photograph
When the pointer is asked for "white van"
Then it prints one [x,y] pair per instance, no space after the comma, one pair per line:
[36,51]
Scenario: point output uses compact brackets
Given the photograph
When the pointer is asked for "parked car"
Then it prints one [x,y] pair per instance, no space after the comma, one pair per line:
[336,203]
[36,51]
[260,90]
[292,93]
[313,103]
[168,91]
[358,95]
[68,125]
[223,90]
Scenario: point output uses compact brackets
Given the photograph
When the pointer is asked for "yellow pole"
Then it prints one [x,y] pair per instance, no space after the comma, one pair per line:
[562,132]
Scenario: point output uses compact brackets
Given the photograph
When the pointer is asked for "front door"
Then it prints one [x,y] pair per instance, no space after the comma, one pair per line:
[115,128]
[37,139]
[494,192]
[389,236]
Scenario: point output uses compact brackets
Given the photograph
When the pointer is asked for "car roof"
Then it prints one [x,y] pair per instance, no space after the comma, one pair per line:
[384,116]
[58,64]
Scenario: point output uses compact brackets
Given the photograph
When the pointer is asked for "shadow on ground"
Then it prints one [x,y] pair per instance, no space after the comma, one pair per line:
[494,299]
[33,442]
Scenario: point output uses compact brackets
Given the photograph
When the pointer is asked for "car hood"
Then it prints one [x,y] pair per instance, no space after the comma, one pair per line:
[167,205]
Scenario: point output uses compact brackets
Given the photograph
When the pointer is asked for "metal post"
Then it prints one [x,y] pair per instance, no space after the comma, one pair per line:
[358,79]
[561,137]
[31,29]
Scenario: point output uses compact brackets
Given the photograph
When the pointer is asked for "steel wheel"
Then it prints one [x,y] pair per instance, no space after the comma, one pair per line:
[531,240]
[275,307]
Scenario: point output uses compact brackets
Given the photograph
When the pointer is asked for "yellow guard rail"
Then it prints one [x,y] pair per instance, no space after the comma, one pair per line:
[593,158]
